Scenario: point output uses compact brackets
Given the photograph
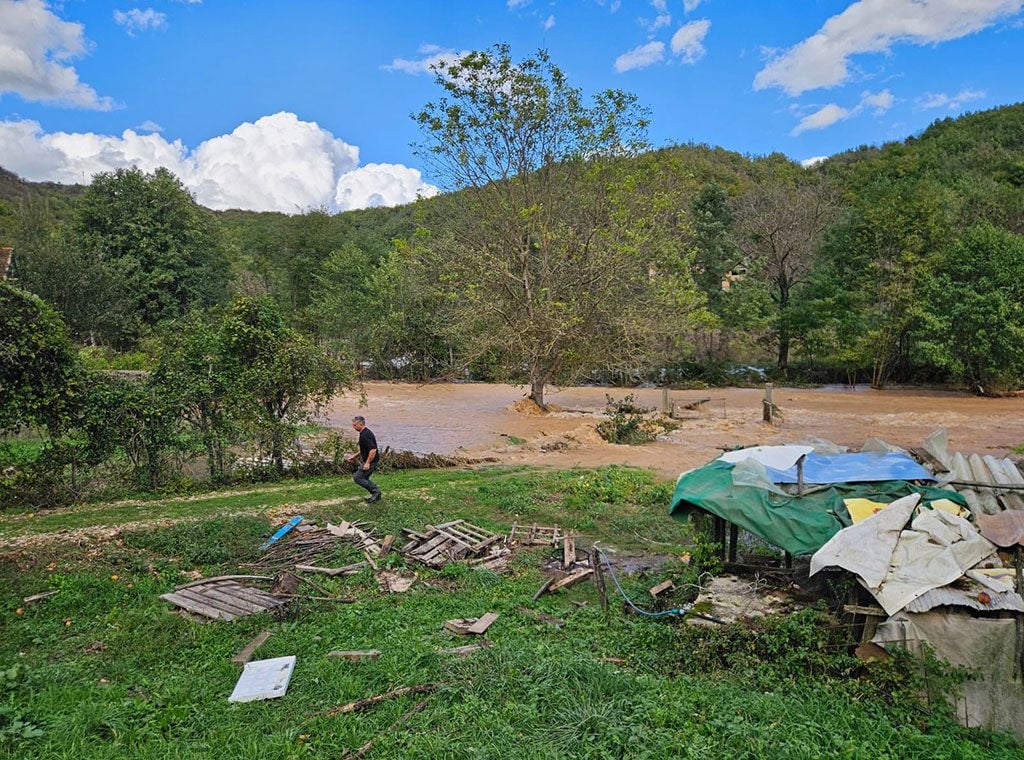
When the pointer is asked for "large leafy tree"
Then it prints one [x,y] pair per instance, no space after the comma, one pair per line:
[279,378]
[781,223]
[554,257]
[37,362]
[975,310]
[160,249]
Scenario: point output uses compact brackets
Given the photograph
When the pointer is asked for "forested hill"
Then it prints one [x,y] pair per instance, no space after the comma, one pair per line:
[892,261]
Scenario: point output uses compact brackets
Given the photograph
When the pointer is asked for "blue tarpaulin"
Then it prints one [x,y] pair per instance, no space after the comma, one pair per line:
[862,467]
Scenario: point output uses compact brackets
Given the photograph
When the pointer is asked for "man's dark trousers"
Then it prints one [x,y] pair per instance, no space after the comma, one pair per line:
[362,479]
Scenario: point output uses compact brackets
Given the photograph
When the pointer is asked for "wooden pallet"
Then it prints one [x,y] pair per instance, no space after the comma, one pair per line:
[223,597]
[438,545]
[535,535]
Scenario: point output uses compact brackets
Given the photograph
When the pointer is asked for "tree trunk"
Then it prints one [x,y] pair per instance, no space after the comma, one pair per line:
[537,383]
[783,349]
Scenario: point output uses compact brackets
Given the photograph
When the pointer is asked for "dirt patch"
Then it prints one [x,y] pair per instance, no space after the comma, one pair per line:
[477,418]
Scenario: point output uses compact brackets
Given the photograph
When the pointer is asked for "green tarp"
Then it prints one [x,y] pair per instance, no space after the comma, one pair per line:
[798,524]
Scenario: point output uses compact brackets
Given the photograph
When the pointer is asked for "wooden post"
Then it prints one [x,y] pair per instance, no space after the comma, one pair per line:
[719,535]
[602,591]
[1018,564]
[664,401]
[800,475]
[734,539]
[789,561]
[768,407]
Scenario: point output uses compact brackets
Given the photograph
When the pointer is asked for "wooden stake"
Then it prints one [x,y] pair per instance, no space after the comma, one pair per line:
[249,649]
[597,562]
[362,704]
[568,552]
[768,406]
[543,589]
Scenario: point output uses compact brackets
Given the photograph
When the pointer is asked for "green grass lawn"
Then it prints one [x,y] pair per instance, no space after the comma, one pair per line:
[104,669]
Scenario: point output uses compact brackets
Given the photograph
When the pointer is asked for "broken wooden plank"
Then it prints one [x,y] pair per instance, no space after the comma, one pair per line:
[485,622]
[857,609]
[285,583]
[218,578]
[571,580]
[38,597]
[568,552]
[385,547]
[281,533]
[362,704]
[543,589]
[356,655]
[199,608]
[333,571]
[370,560]
[543,617]
[614,660]
[249,649]
[661,588]
[459,626]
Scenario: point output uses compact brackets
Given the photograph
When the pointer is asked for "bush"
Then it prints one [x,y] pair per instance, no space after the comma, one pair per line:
[627,422]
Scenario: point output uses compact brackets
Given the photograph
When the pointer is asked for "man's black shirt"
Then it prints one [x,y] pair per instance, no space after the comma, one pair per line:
[367,441]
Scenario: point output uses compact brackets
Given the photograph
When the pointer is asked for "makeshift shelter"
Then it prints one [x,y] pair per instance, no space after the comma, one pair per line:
[939,549]
[744,488]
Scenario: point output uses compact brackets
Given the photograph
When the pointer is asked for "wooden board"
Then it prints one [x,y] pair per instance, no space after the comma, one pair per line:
[481,625]
[570,580]
[222,599]
[249,649]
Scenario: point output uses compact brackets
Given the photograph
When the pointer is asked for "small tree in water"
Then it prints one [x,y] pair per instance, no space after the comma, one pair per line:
[559,256]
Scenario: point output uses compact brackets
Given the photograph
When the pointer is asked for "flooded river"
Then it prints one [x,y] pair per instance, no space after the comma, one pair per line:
[480,420]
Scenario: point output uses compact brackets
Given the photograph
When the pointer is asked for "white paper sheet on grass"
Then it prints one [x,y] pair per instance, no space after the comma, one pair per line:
[898,563]
[264,679]
[776,457]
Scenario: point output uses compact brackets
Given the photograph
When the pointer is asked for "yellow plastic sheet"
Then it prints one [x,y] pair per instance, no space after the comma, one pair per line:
[861,509]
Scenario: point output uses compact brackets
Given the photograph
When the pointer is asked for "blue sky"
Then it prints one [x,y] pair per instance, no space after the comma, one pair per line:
[288,105]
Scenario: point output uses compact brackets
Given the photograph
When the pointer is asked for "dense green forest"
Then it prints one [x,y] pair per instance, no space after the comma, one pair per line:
[567,251]
[920,246]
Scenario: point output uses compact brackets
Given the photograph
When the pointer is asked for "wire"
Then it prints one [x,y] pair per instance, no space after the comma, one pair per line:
[611,570]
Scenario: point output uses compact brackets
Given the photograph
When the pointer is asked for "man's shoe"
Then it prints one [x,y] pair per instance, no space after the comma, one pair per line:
[373,499]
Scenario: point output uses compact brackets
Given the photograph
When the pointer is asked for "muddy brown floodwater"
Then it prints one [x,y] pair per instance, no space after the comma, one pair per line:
[478,419]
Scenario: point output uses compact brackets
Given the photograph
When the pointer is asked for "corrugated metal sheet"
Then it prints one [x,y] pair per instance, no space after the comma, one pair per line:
[952,596]
[974,468]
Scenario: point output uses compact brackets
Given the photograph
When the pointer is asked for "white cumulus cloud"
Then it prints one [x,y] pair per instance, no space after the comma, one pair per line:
[36,47]
[277,163]
[431,57]
[690,5]
[640,57]
[688,41]
[140,20]
[807,163]
[149,126]
[828,115]
[549,22]
[932,100]
[874,26]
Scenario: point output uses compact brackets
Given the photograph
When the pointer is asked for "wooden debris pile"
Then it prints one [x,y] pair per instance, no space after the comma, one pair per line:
[439,545]
[301,548]
[534,535]
[225,597]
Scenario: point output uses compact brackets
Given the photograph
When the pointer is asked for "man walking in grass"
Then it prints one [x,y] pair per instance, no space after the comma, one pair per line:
[369,458]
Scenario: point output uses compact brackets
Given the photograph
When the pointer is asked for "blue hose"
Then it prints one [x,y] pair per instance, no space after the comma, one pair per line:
[675,611]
